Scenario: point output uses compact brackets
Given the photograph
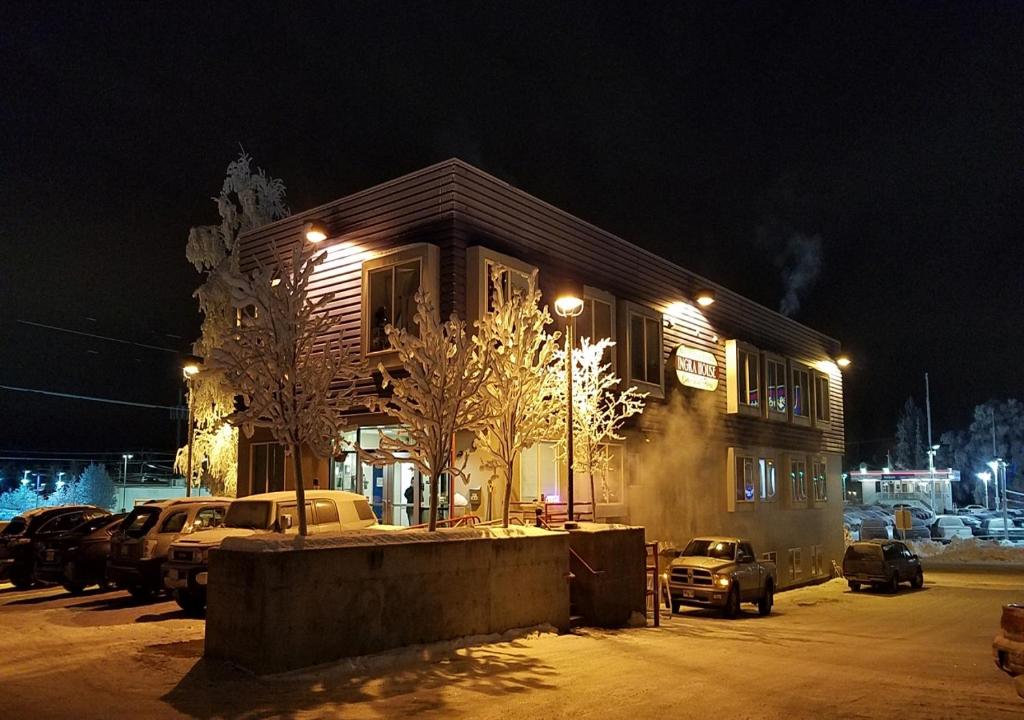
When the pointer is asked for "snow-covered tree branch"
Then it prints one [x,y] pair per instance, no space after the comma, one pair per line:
[599,410]
[437,395]
[522,358]
[295,376]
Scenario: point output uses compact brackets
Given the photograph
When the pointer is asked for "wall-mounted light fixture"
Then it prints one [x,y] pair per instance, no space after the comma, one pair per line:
[704,297]
[314,231]
[843,361]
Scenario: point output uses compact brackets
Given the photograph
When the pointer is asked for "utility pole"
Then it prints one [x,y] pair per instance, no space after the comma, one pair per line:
[931,447]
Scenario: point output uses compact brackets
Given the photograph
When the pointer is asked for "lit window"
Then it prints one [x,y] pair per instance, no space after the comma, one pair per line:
[775,386]
[513,274]
[798,480]
[538,472]
[820,484]
[768,478]
[822,414]
[744,479]
[511,281]
[817,560]
[743,377]
[597,321]
[800,400]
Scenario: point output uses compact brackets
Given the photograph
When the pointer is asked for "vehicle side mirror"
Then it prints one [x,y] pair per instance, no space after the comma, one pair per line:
[285,522]
[745,558]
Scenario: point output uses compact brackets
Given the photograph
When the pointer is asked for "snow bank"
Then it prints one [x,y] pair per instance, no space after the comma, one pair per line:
[973,550]
[275,542]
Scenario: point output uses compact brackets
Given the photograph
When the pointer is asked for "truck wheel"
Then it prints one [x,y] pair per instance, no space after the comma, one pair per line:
[918,580]
[193,603]
[732,603]
[854,586]
[21,579]
[764,605]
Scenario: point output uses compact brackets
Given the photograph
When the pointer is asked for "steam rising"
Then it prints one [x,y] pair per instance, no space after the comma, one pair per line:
[681,470]
[800,262]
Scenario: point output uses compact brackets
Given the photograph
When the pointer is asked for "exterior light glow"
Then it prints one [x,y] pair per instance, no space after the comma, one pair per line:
[704,297]
[568,306]
[843,361]
[191,365]
[315,232]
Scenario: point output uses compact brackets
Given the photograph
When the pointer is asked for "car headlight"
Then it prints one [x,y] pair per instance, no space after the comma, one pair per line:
[721,580]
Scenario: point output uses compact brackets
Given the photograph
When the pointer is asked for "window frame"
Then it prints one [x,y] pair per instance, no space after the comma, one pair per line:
[762,460]
[428,257]
[735,405]
[820,402]
[795,366]
[626,311]
[778,360]
[747,460]
[477,259]
[590,296]
[796,500]
[795,563]
[817,463]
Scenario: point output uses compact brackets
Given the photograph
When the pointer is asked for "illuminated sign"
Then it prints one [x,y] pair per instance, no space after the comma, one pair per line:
[696,368]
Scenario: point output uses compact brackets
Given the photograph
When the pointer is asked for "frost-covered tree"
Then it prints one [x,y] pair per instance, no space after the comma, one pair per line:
[599,410]
[248,199]
[96,487]
[970,450]
[287,362]
[910,446]
[439,394]
[522,360]
[22,498]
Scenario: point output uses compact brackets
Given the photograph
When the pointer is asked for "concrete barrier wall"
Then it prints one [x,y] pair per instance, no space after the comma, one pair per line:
[273,607]
[617,587]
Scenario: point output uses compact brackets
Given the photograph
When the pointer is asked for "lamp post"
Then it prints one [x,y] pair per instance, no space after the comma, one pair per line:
[995,465]
[189,369]
[124,481]
[569,306]
[984,477]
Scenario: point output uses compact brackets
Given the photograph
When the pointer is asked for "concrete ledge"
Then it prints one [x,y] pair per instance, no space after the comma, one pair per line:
[612,586]
[278,603]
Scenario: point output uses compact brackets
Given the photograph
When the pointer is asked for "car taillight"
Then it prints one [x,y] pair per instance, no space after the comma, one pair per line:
[148,549]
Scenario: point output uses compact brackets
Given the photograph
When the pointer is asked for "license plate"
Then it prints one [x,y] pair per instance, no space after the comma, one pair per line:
[50,555]
[687,593]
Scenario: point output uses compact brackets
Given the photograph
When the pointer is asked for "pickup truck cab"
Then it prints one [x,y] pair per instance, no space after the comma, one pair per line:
[139,548]
[185,572]
[721,572]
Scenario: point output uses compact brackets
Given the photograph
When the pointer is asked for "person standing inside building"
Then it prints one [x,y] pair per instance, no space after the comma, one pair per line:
[410,496]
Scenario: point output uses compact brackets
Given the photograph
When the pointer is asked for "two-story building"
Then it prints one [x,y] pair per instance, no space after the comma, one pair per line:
[743,429]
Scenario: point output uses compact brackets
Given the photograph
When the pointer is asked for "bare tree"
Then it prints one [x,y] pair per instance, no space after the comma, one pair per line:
[438,395]
[295,376]
[599,409]
[522,359]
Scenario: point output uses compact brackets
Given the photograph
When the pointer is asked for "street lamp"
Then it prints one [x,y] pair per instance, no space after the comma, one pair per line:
[189,369]
[124,481]
[569,305]
[984,477]
[60,480]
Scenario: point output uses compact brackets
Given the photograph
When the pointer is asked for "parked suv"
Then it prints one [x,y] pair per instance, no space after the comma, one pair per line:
[326,511]
[17,556]
[881,563]
[77,558]
[139,547]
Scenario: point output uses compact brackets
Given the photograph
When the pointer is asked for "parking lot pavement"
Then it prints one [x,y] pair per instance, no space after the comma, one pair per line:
[825,652]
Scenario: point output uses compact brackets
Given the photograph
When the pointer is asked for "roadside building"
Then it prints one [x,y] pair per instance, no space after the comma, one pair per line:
[930,489]
[743,430]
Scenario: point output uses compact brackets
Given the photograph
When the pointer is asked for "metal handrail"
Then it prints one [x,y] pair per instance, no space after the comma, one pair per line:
[461,520]
[584,563]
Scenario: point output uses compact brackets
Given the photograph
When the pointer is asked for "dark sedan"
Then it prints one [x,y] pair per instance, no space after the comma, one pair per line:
[77,558]
[17,557]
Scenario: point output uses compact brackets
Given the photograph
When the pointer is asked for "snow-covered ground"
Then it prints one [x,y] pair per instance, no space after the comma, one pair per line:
[825,653]
[970,551]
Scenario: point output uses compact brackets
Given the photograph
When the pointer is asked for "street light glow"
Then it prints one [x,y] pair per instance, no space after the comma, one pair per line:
[315,232]
[191,365]
[568,306]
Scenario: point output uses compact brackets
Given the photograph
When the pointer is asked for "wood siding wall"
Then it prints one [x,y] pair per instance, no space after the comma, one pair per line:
[456,206]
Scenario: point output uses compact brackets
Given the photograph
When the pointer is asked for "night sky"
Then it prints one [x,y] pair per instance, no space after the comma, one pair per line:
[711,133]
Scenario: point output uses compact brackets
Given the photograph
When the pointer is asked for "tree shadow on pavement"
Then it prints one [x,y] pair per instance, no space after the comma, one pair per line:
[214,688]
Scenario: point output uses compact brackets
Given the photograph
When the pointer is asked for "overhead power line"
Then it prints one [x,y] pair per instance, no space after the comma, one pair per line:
[90,398]
[99,337]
